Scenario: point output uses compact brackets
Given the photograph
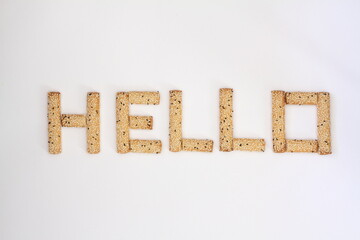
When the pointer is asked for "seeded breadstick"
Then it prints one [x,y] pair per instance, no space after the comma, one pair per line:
[247,144]
[144,98]
[197,145]
[301,146]
[175,123]
[226,120]
[93,122]
[141,122]
[54,123]
[323,123]
[73,120]
[278,121]
[301,98]
[122,122]
[145,146]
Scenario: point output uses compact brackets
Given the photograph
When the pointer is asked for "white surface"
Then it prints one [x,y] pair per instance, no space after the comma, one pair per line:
[198,47]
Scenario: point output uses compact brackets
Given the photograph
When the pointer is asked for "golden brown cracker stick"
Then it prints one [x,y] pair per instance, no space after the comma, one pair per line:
[278,121]
[54,122]
[301,98]
[145,146]
[247,144]
[323,123]
[197,145]
[122,122]
[148,98]
[141,122]
[226,119]
[93,122]
[293,145]
[175,121]
[73,120]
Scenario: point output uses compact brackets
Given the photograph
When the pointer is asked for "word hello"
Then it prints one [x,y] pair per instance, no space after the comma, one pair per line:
[177,142]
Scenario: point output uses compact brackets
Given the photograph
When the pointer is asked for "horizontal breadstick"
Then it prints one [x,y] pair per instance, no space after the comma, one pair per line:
[145,146]
[144,98]
[247,144]
[122,122]
[301,145]
[54,123]
[175,121]
[301,98]
[93,122]
[226,119]
[73,120]
[323,123]
[278,121]
[141,122]
[197,145]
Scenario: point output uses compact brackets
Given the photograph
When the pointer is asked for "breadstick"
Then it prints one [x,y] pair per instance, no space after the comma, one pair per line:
[54,122]
[141,122]
[301,145]
[278,121]
[226,120]
[323,123]
[247,144]
[122,122]
[175,121]
[197,145]
[73,120]
[145,146]
[301,98]
[93,122]
[144,98]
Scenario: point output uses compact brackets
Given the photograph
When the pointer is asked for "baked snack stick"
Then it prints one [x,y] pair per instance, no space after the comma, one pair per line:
[226,119]
[293,145]
[122,122]
[141,122]
[93,122]
[247,144]
[175,121]
[278,121]
[54,122]
[323,123]
[197,145]
[148,98]
[145,146]
[73,120]
[301,98]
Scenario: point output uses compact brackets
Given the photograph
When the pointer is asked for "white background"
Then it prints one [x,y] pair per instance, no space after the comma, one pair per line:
[196,46]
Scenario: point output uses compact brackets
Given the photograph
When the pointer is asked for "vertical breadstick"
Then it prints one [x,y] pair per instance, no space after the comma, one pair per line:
[197,145]
[302,146]
[145,146]
[278,121]
[144,98]
[54,123]
[122,122]
[323,123]
[226,120]
[141,122]
[93,122]
[73,120]
[301,98]
[247,144]
[175,121]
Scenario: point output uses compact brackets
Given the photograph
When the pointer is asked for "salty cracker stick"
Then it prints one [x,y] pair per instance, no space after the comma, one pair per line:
[122,122]
[247,144]
[54,122]
[294,145]
[226,120]
[148,98]
[145,146]
[301,98]
[141,122]
[175,121]
[323,123]
[278,121]
[73,120]
[93,122]
[197,145]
